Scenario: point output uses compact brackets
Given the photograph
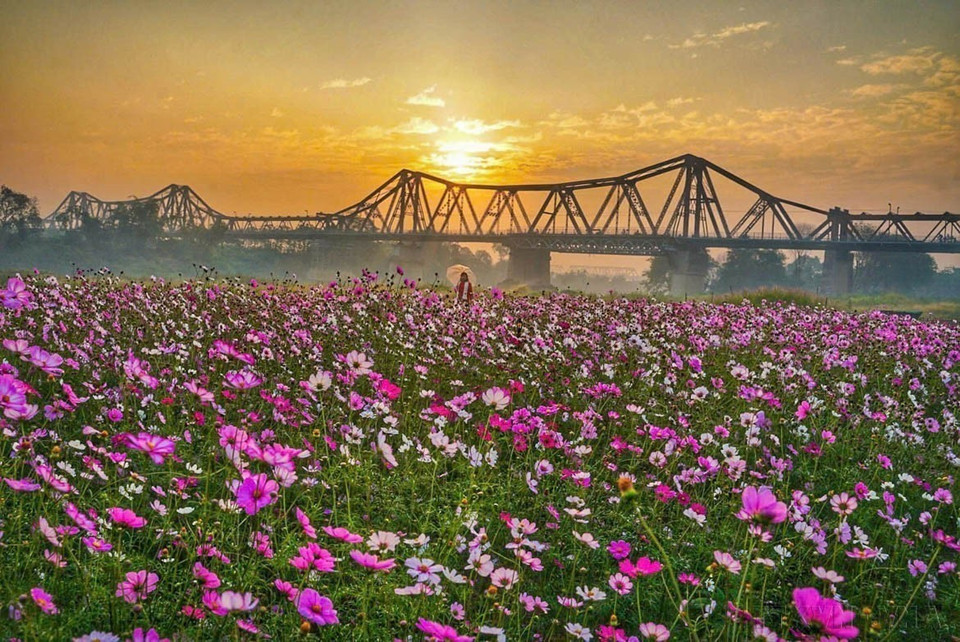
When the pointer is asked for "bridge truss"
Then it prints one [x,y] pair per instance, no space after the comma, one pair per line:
[606,215]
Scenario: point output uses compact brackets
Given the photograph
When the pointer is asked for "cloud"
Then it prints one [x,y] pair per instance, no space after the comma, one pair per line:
[276,113]
[476,127]
[715,39]
[848,62]
[874,91]
[918,61]
[341,83]
[416,125]
[837,49]
[676,102]
[426,98]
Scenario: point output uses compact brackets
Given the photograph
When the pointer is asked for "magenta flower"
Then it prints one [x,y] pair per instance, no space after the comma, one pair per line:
[643,566]
[13,397]
[97,545]
[256,492]
[308,528]
[126,517]
[44,600]
[342,534]
[137,586]
[824,614]
[367,560]
[761,505]
[619,549]
[312,556]
[25,485]
[151,635]
[208,578]
[437,631]
[316,608]
[157,447]
[15,295]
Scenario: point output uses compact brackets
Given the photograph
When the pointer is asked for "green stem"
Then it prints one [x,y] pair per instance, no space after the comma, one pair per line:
[673,576]
[906,606]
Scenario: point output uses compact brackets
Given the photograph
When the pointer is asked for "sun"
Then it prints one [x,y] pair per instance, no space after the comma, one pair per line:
[462,159]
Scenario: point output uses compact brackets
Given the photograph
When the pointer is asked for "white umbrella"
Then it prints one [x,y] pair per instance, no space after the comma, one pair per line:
[454,272]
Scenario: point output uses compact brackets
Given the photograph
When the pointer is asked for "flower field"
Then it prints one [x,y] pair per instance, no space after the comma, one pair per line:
[369,460]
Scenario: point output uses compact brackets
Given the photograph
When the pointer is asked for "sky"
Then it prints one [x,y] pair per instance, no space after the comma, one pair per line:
[286,107]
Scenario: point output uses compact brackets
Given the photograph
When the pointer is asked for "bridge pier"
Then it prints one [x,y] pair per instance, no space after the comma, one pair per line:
[838,272]
[529,266]
[688,272]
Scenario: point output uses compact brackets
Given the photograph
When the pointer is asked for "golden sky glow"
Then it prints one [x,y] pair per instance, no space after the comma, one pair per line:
[286,107]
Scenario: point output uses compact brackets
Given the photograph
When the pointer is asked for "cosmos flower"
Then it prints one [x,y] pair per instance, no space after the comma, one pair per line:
[137,586]
[825,615]
[256,492]
[761,505]
[316,608]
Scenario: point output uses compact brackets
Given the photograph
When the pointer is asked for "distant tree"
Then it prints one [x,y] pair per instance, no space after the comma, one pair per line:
[139,220]
[748,269]
[657,277]
[906,272]
[19,217]
[804,272]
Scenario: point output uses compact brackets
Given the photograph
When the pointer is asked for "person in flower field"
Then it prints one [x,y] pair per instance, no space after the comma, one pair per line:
[464,289]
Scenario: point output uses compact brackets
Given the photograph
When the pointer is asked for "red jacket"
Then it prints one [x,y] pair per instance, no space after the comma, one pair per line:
[468,295]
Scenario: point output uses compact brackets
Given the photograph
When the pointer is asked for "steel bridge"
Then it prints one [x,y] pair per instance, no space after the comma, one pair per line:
[598,216]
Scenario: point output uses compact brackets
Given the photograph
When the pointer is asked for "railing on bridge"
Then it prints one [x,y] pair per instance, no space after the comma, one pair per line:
[585,213]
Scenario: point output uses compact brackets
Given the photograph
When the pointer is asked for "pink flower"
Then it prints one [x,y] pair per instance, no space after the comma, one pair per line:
[761,505]
[620,583]
[643,566]
[342,534]
[44,600]
[504,578]
[437,631]
[256,492]
[367,560]
[316,608]
[232,601]
[823,613]
[243,379]
[126,517]
[137,586]
[843,504]
[727,561]
[654,631]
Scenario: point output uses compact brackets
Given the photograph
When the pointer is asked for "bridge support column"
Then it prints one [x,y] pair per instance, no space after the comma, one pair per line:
[838,272]
[688,272]
[529,266]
